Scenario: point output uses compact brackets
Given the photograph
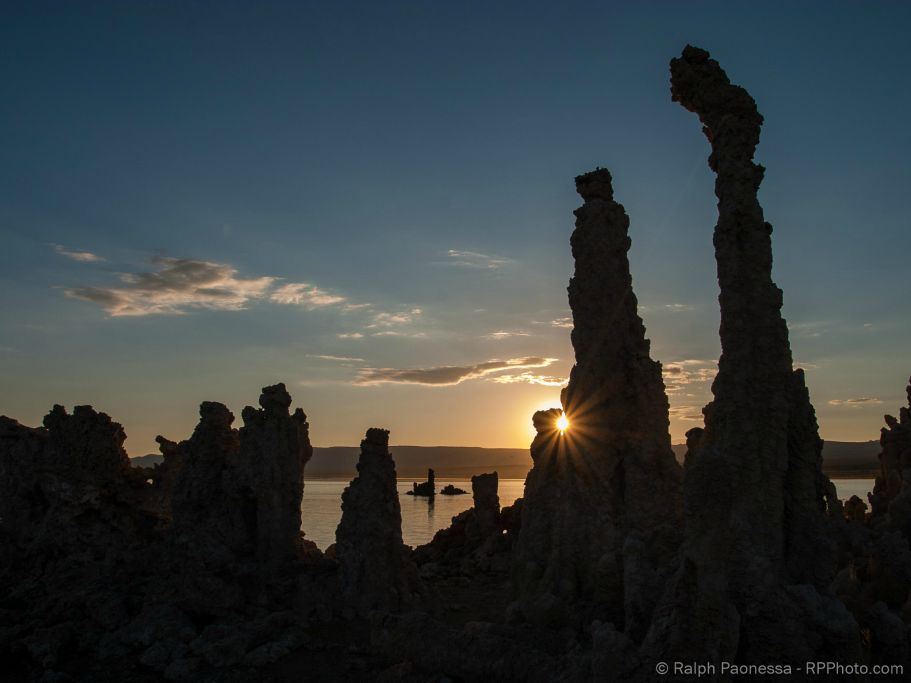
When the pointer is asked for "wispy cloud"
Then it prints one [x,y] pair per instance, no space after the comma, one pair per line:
[854,402]
[503,334]
[180,285]
[177,286]
[531,378]
[399,333]
[336,359]
[566,322]
[383,319]
[687,413]
[350,335]
[665,308]
[448,375]
[306,295]
[810,328]
[75,255]
[805,366]
[473,259]
[681,373]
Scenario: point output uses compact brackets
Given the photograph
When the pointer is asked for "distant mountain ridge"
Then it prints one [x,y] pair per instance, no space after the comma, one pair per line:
[841,459]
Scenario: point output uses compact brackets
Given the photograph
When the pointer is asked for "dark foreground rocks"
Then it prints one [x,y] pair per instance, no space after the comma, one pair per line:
[196,564]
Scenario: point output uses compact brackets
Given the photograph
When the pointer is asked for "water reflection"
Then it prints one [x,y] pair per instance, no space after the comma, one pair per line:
[321,508]
[421,518]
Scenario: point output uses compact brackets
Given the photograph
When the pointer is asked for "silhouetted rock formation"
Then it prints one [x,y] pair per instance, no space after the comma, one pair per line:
[892,493]
[205,513]
[599,519]
[194,563]
[855,509]
[274,448]
[478,539]
[242,489]
[486,503]
[874,581]
[162,476]
[693,439]
[374,567]
[425,488]
[452,490]
[52,475]
[758,553]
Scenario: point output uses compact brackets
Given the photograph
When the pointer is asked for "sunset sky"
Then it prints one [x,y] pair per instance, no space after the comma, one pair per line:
[372,202]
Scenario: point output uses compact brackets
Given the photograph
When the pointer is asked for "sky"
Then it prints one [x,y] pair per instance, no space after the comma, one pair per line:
[372,203]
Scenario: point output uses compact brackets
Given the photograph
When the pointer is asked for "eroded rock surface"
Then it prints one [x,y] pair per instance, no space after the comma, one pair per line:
[479,539]
[50,476]
[601,507]
[486,503]
[375,570]
[892,493]
[274,448]
[196,563]
[242,489]
[757,533]
[425,488]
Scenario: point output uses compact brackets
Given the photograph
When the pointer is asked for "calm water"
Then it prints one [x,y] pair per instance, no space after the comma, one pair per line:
[321,508]
[853,487]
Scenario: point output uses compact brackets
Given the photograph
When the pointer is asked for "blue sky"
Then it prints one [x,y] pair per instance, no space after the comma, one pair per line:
[203,198]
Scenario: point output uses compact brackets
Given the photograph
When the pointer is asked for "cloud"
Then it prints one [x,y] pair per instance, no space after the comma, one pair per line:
[179,285]
[176,287]
[306,295]
[474,259]
[350,335]
[387,324]
[798,365]
[687,413]
[678,374]
[337,359]
[566,322]
[501,334]
[811,328]
[83,256]
[448,375]
[854,402]
[667,308]
[393,319]
[531,378]
[399,333]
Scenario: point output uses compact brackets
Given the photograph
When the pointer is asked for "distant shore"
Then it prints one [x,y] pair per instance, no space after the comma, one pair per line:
[841,460]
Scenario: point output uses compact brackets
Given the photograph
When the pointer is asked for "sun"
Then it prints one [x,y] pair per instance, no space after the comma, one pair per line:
[562,423]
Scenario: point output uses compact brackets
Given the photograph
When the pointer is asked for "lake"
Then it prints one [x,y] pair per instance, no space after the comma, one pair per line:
[853,487]
[321,508]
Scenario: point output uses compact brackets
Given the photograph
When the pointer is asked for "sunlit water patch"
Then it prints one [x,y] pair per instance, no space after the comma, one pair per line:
[321,508]
[853,487]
